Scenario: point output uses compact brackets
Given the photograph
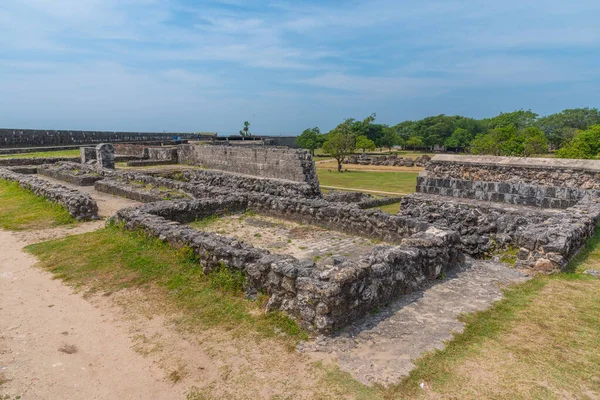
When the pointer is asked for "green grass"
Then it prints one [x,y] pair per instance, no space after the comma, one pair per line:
[44,154]
[21,209]
[390,208]
[112,259]
[392,182]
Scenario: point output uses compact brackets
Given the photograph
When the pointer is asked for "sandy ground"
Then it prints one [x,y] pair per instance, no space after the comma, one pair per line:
[127,345]
[39,316]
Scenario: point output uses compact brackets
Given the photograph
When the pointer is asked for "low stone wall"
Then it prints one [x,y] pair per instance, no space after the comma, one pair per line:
[9,162]
[275,187]
[321,300]
[389,160]
[149,163]
[140,192]
[547,239]
[553,243]
[362,200]
[80,205]
[483,228]
[266,162]
[73,176]
[344,217]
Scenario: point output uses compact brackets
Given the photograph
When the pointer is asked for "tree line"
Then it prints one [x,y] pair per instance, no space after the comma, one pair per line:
[572,133]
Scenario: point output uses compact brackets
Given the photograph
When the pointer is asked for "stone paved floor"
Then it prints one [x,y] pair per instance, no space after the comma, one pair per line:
[284,237]
[381,348]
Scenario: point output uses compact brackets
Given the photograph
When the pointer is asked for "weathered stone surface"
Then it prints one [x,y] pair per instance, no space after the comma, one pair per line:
[502,192]
[71,173]
[389,160]
[105,156]
[262,161]
[88,154]
[322,300]
[236,182]
[362,200]
[79,204]
[551,172]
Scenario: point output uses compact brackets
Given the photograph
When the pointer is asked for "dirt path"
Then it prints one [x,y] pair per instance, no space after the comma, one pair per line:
[39,317]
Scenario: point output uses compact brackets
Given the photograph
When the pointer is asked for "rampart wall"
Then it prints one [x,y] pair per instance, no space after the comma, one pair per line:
[39,138]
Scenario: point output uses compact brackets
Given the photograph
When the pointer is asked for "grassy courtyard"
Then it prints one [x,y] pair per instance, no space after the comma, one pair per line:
[384,182]
[20,209]
[44,154]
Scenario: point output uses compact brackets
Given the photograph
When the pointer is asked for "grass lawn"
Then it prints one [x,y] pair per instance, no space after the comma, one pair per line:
[391,182]
[20,209]
[137,260]
[390,208]
[44,154]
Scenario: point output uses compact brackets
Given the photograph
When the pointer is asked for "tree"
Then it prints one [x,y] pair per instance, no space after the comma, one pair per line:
[534,142]
[414,142]
[309,139]
[390,138]
[364,143]
[461,138]
[585,145]
[510,141]
[340,142]
[245,132]
[519,119]
[561,127]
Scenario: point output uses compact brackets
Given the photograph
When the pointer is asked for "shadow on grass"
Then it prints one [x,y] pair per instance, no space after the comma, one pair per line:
[590,253]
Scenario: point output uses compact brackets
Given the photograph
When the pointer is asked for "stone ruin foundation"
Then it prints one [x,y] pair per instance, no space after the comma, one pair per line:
[544,210]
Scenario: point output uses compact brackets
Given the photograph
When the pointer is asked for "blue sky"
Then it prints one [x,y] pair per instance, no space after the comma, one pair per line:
[182,65]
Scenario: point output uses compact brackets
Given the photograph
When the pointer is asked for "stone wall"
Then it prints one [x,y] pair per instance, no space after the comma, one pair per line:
[276,187]
[321,300]
[502,192]
[547,183]
[344,217]
[553,172]
[138,190]
[130,149]
[266,162]
[389,160]
[71,175]
[546,239]
[363,200]
[38,138]
[483,227]
[79,204]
